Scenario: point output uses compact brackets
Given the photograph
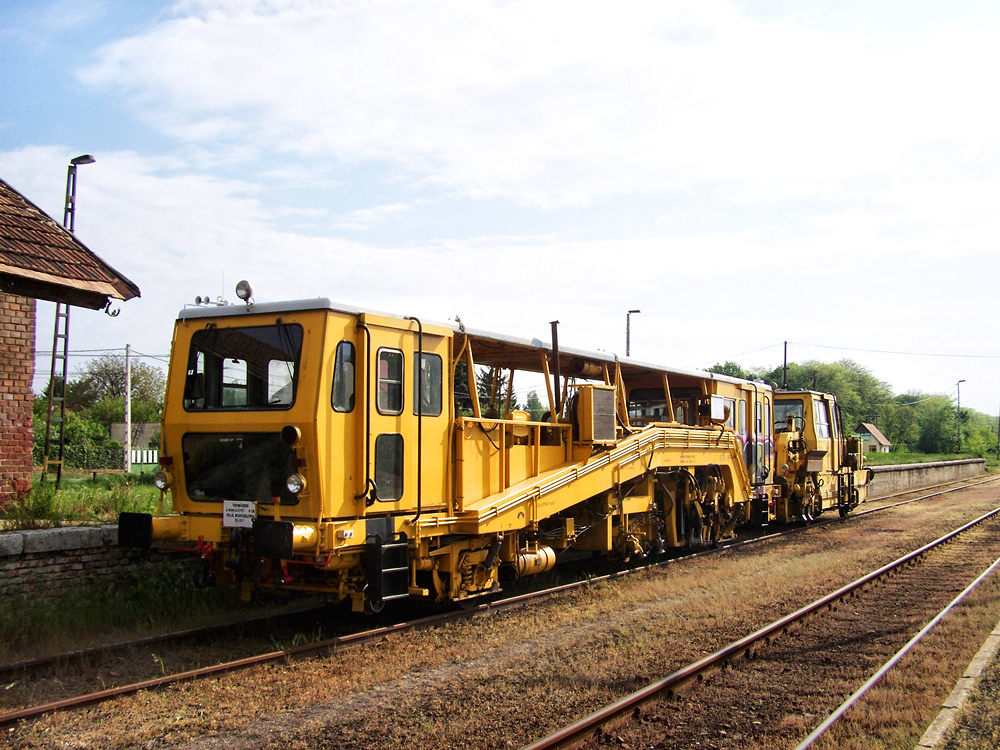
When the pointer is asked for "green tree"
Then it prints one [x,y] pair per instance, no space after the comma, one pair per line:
[899,424]
[936,417]
[978,437]
[484,384]
[111,410]
[862,396]
[534,406]
[732,369]
[104,378]
[95,400]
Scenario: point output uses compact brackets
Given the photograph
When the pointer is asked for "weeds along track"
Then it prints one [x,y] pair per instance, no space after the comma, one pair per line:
[84,678]
[773,687]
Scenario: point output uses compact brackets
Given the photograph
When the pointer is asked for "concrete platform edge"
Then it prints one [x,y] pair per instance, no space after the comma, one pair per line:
[935,734]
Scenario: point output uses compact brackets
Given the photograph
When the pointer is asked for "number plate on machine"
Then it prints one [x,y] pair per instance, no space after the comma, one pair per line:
[237,513]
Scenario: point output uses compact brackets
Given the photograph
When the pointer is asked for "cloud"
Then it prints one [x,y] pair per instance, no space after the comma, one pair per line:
[362,219]
[551,102]
[742,177]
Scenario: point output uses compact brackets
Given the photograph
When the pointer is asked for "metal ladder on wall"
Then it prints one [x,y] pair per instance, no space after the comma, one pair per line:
[55,423]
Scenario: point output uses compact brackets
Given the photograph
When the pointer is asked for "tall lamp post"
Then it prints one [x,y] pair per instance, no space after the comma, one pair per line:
[60,344]
[628,331]
[958,414]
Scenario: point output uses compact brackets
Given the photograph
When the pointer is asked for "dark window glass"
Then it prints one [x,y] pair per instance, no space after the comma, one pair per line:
[822,417]
[238,466]
[253,368]
[389,466]
[390,381]
[343,377]
[430,367]
[785,408]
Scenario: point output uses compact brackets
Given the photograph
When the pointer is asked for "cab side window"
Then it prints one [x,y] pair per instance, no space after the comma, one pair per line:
[390,381]
[822,417]
[429,368]
[342,397]
[389,466]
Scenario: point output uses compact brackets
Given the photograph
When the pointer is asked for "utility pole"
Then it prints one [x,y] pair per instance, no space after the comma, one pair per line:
[128,408]
[958,414]
[784,370]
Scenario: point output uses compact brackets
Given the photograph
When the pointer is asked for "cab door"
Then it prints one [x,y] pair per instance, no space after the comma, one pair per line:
[823,458]
[404,457]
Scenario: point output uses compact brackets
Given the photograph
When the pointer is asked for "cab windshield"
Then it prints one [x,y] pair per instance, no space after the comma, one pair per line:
[789,407]
[251,368]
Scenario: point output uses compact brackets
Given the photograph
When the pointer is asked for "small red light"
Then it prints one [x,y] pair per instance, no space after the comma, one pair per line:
[166,461]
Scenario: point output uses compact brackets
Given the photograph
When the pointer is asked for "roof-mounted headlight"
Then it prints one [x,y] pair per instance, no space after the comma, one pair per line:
[245,292]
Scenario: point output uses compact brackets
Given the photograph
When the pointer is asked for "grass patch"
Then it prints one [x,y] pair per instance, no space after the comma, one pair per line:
[150,598]
[81,502]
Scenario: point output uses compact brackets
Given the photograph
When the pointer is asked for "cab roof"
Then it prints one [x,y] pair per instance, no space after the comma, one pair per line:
[488,348]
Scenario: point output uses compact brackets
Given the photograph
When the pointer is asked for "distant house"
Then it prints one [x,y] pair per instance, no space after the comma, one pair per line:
[875,441]
[39,259]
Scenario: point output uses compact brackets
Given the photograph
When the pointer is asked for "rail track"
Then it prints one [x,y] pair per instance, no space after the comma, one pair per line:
[819,648]
[354,639]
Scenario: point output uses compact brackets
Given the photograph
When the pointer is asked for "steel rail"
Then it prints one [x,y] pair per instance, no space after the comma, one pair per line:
[43,661]
[285,655]
[359,639]
[150,640]
[735,650]
[884,669]
[968,485]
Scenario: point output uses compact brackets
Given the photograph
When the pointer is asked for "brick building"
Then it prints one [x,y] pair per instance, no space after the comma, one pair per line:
[39,259]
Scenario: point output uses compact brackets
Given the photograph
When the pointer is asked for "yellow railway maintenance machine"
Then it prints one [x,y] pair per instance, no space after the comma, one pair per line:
[311,447]
[817,466]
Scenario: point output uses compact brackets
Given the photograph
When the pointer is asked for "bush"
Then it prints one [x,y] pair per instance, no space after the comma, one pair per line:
[81,502]
[37,510]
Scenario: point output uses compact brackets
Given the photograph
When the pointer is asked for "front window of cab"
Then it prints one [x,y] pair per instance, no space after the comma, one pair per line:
[251,368]
[788,407]
[238,466]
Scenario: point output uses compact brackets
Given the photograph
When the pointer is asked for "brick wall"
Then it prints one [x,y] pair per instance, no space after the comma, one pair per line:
[50,562]
[17,370]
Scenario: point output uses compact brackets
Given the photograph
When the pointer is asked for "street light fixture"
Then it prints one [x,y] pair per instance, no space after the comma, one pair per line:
[958,414]
[69,212]
[628,330]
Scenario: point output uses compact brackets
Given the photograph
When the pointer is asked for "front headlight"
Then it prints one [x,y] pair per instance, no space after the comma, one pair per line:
[295,483]
[162,480]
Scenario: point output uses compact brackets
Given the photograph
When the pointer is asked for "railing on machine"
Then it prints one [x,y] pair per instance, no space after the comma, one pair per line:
[518,449]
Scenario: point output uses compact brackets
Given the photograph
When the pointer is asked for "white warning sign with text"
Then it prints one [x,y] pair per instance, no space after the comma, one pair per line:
[237,513]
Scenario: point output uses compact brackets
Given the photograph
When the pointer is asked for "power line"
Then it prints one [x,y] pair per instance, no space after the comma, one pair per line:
[90,353]
[889,351]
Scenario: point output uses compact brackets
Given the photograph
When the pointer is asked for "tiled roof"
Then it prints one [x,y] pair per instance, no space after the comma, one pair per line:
[874,432]
[39,258]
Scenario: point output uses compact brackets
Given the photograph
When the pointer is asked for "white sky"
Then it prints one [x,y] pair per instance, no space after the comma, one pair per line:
[744,172]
